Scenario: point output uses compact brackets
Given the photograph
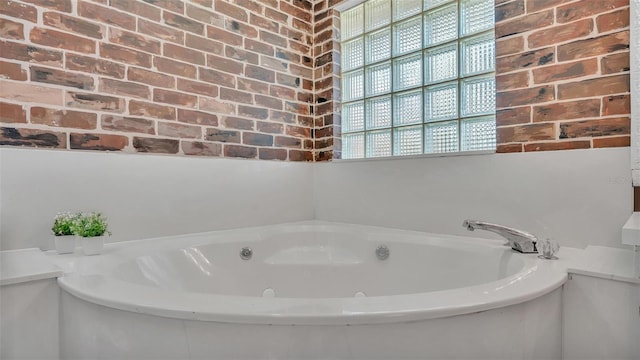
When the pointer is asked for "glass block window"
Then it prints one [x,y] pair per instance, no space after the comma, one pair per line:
[418,77]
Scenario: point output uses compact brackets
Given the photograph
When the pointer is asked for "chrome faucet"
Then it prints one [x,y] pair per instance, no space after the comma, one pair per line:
[518,240]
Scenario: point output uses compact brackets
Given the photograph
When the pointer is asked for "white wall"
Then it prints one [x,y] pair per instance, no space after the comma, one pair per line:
[576,197]
[145,195]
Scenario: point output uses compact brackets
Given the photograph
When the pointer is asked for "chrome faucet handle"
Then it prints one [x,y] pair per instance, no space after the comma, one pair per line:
[547,249]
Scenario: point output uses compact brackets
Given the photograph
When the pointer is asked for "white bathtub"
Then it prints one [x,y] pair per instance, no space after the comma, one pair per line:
[311,290]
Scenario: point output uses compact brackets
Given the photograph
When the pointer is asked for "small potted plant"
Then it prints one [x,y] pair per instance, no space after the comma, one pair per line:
[64,240]
[91,228]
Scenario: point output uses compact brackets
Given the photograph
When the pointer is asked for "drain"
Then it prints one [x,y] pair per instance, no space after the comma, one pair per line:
[268,292]
[360,294]
[246,253]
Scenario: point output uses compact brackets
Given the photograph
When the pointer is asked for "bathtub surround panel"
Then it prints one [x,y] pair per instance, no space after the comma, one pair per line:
[577,198]
[562,75]
[533,329]
[145,196]
[158,77]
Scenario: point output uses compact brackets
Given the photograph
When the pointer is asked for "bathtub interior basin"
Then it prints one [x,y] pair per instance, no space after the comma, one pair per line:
[310,273]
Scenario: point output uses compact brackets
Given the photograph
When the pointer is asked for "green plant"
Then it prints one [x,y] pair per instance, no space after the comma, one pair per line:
[90,225]
[63,224]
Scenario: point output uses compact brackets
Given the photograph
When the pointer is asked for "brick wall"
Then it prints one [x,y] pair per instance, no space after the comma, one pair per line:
[202,77]
[259,78]
[562,72]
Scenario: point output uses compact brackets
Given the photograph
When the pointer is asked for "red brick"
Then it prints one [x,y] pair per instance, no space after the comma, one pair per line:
[507,46]
[106,15]
[298,131]
[594,87]
[224,36]
[12,71]
[63,118]
[127,124]
[160,31]
[24,92]
[509,10]
[171,129]
[134,40]
[615,63]
[525,60]
[618,104]
[223,135]
[60,5]
[259,73]
[173,5]
[94,66]
[11,29]
[125,55]
[216,106]
[182,53]
[565,71]
[32,138]
[201,148]
[295,11]
[595,46]
[102,142]
[287,141]
[523,24]
[238,123]
[12,113]
[20,11]
[513,116]
[567,110]
[525,96]
[269,127]
[536,5]
[231,10]
[264,23]
[59,77]
[154,145]
[95,102]
[249,138]
[236,96]
[125,88]
[607,142]
[253,112]
[216,77]
[512,81]
[240,151]
[509,148]
[183,23]
[586,8]
[272,154]
[562,145]
[152,78]
[205,16]
[527,132]
[196,87]
[57,39]
[613,21]
[560,33]
[252,86]
[74,24]
[299,155]
[138,8]
[174,97]
[259,47]
[165,65]
[152,110]
[225,64]
[595,127]
[197,117]
[241,29]
[204,44]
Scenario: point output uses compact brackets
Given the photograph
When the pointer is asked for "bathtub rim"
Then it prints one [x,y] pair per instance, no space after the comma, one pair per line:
[538,278]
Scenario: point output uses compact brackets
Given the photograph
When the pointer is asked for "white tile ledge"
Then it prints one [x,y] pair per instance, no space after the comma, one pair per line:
[605,263]
[631,230]
[23,265]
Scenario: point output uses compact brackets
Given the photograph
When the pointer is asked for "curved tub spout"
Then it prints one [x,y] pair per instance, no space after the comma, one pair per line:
[518,240]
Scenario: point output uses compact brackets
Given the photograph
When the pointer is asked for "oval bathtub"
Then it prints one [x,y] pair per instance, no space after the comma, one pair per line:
[322,279]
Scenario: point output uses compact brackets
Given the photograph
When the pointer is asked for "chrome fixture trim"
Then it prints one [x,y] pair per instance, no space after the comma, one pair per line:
[246,253]
[518,240]
[382,252]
